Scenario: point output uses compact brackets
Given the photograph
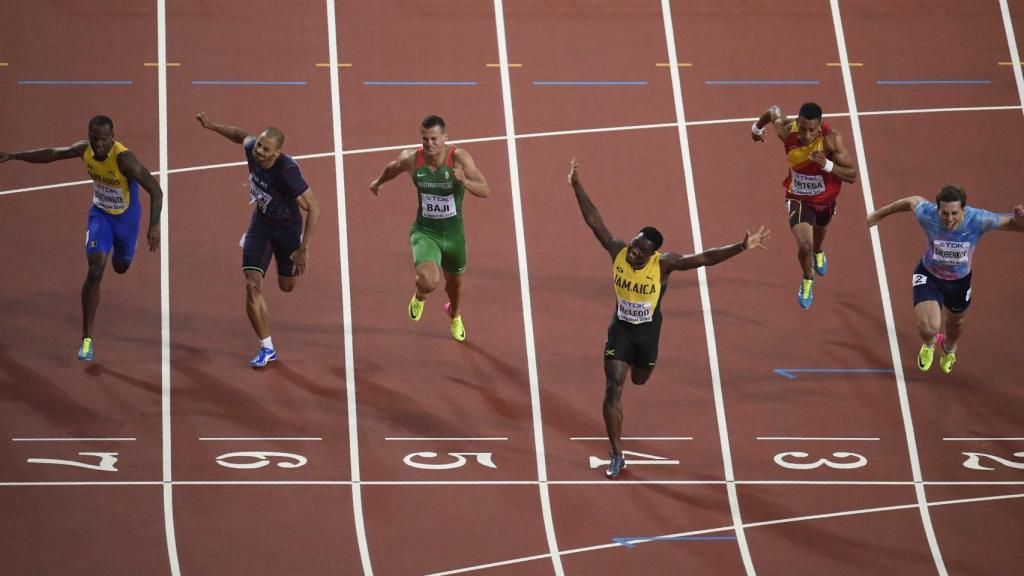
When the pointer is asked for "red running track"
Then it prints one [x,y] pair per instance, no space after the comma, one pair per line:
[525,388]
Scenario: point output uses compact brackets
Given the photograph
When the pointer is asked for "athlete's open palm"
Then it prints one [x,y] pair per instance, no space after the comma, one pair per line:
[756,240]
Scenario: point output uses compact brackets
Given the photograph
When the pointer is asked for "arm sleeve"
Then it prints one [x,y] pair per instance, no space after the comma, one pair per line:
[988,221]
[925,212]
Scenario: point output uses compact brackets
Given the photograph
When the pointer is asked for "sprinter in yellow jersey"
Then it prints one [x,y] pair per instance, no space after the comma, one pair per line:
[640,274]
[115,213]
[442,175]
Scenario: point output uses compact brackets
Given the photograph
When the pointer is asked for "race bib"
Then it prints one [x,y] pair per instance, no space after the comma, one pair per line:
[108,199]
[947,252]
[806,185]
[258,197]
[437,207]
[635,312]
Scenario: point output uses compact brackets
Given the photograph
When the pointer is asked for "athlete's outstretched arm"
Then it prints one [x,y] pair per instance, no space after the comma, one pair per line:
[671,261]
[132,168]
[236,135]
[470,176]
[307,201]
[908,204]
[1012,222]
[405,162]
[773,115]
[590,214]
[46,155]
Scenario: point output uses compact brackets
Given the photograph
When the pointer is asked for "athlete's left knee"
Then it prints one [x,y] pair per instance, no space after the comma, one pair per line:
[286,283]
[121,266]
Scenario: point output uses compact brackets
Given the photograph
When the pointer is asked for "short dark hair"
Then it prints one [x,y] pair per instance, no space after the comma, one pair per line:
[810,111]
[950,193]
[275,134]
[651,234]
[431,121]
[101,120]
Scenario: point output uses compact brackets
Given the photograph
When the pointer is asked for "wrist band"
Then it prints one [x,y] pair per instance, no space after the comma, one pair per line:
[829,165]
[757,131]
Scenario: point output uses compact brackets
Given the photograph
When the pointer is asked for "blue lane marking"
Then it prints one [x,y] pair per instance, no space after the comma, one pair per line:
[423,83]
[632,541]
[761,82]
[590,83]
[792,372]
[248,83]
[75,82]
[896,82]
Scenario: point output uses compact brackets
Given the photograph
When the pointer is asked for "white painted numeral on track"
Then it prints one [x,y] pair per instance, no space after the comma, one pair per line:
[858,461]
[596,462]
[106,464]
[260,459]
[483,458]
[974,461]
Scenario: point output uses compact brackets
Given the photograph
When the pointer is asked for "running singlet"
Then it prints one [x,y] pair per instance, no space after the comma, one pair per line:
[948,253]
[440,195]
[274,190]
[806,180]
[638,292]
[112,191]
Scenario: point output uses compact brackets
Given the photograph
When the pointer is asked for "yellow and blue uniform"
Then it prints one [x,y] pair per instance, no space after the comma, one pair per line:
[636,326]
[115,212]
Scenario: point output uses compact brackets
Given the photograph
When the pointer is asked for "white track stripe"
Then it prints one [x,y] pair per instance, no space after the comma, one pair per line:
[165,293]
[603,483]
[524,288]
[346,293]
[531,135]
[1011,41]
[730,528]
[705,295]
[883,285]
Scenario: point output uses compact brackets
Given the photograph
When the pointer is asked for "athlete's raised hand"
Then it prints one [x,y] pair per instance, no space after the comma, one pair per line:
[574,175]
[756,240]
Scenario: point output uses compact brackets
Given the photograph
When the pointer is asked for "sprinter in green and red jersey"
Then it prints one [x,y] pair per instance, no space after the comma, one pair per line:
[442,174]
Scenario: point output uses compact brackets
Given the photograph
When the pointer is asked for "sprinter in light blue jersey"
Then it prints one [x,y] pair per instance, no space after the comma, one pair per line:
[942,278]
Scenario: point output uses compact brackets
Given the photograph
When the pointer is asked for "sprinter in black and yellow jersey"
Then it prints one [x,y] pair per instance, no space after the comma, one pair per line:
[442,175]
[115,214]
[640,274]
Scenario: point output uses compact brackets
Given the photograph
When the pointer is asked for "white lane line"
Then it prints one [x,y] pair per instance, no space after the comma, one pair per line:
[883,285]
[522,483]
[815,438]
[1011,41]
[227,439]
[165,293]
[72,439]
[448,439]
[791,520]
[524,289]
[346,293]
[660,438]
[705,295]
[528,135]
[1018,439]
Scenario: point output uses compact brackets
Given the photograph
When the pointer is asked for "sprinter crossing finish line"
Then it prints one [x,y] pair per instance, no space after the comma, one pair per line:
[442,173]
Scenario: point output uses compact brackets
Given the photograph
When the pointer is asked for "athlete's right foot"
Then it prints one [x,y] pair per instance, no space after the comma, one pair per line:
[820,263]
[415,309]
[925,357]
[806,293]
[85,350]
[263,357]
[458,328]
[615,466]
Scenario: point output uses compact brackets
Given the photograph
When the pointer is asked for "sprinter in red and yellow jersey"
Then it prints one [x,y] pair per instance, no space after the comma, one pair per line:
[818,165]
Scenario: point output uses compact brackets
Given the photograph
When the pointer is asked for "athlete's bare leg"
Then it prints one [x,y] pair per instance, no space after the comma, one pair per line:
[453,286]
[256,305]
[954,328]
[91,290]
[615,376]
[804,234]
[428,277]
[819,237]
[929,320]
